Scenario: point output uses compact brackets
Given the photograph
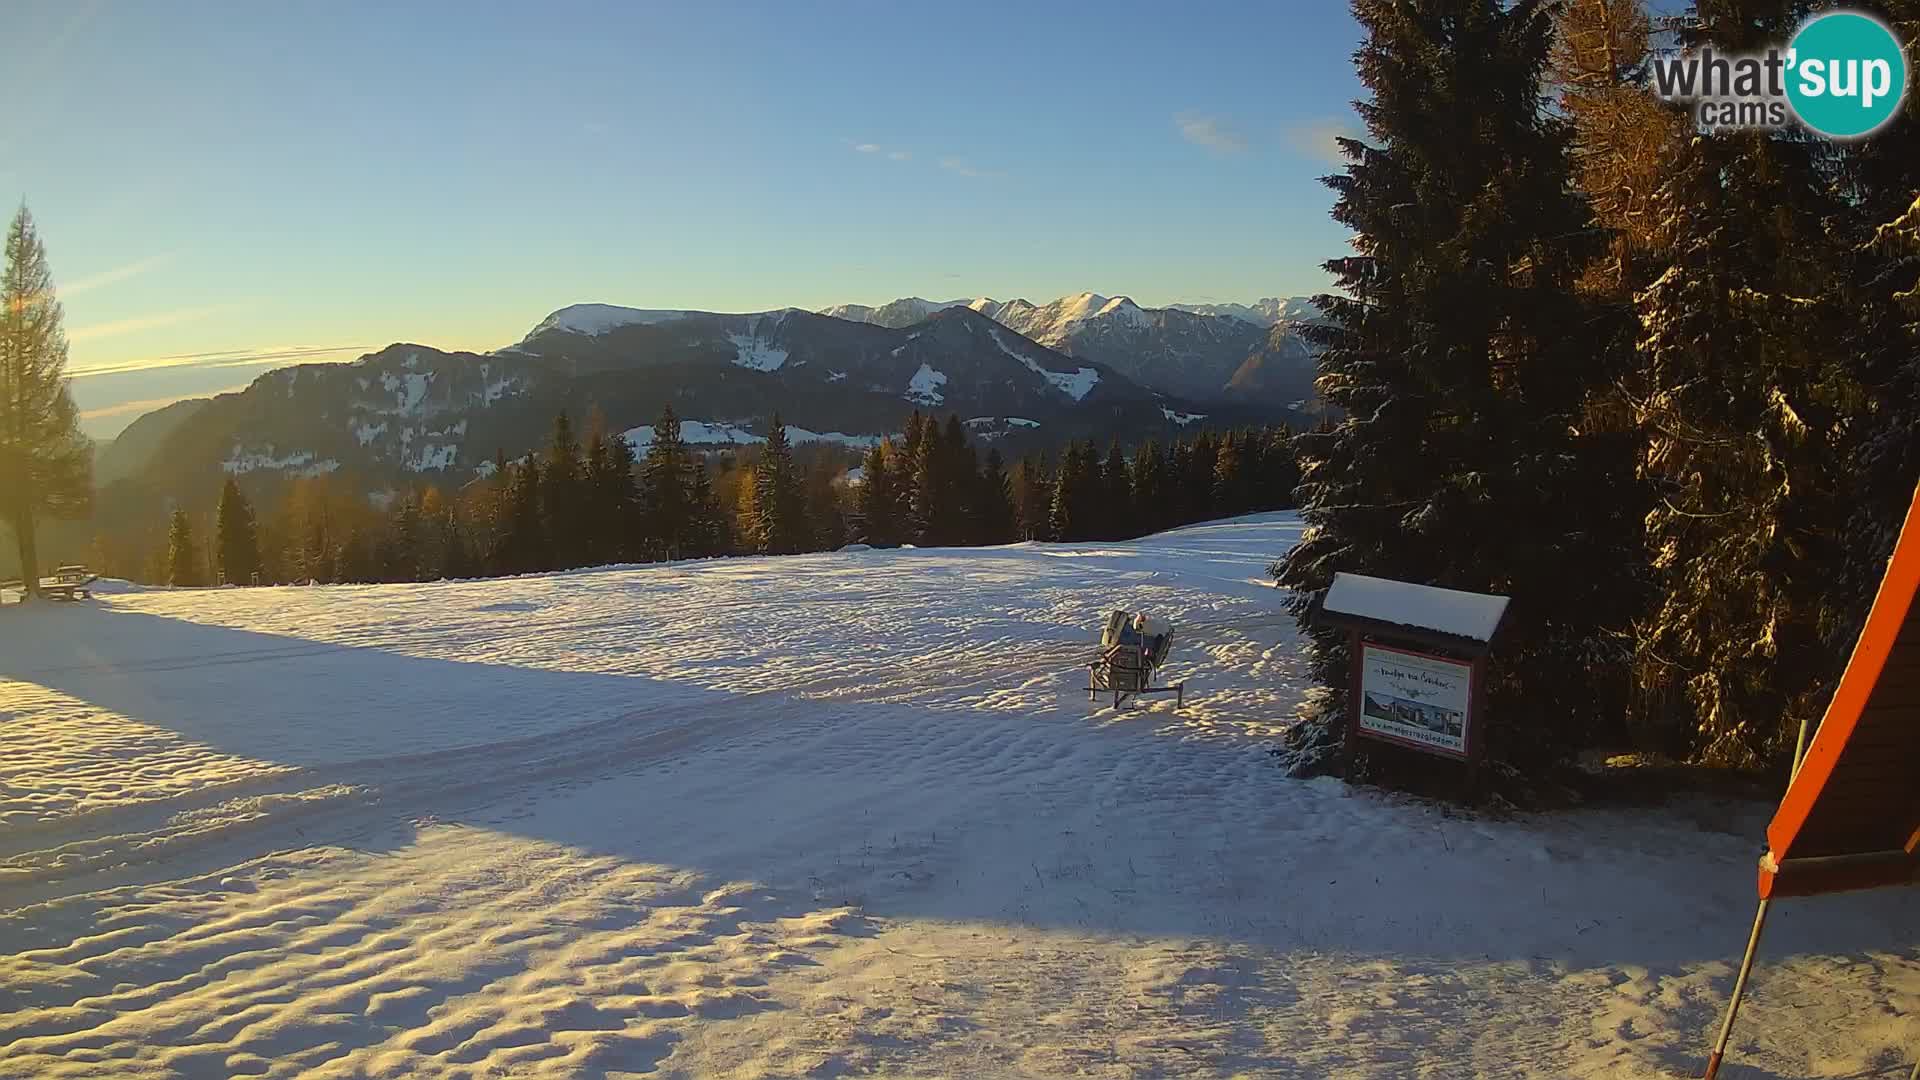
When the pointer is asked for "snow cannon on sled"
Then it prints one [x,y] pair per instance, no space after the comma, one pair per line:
[1132,648]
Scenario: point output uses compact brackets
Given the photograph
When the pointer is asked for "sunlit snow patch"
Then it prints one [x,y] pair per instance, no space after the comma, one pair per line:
[300,462]
[756,354]
[1075,385]
[924,387]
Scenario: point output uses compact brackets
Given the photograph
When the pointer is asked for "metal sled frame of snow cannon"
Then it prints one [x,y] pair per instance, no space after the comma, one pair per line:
[1128,662]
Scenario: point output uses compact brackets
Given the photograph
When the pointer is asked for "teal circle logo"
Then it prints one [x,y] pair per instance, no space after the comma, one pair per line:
[1847,74]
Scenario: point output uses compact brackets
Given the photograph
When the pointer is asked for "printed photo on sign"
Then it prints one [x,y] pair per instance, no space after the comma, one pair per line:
[1421,699]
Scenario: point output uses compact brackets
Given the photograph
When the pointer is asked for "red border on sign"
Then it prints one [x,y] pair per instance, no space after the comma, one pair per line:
[1466,735]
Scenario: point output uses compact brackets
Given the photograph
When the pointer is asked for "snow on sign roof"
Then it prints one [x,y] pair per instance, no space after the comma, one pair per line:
[1462,614]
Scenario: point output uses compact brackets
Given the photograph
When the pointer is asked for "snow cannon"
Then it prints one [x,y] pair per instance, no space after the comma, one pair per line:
[1133,645]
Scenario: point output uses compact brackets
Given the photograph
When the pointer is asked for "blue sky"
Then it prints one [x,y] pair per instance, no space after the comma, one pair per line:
[238,186]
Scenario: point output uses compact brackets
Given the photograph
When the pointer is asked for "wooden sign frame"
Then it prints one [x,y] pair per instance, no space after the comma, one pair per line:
[1472,737]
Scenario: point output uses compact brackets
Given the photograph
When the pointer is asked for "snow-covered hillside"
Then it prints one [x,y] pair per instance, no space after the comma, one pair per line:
[827,815]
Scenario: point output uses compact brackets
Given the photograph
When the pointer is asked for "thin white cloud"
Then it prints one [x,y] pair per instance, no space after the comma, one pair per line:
[1318,139]
[882,151]
[144,322]
[108,277]
[956,165]
[962,167]
[1211,132]
[228,358]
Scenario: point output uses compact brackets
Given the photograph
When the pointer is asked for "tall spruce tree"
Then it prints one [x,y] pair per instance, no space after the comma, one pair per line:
[404,541]
[619,493]
[995,521]
[1151,491]
[1117,521]
[564,497]
[1033,498]
[878,504]
[1074,514]
[1229,478]
[1746,409]
[236,542]
[1879,299]
[665,504]
[708,535]
[779,497]
[1457,363]
[961,483]
[526,547]
[46,465]
[184,567]
[603,524]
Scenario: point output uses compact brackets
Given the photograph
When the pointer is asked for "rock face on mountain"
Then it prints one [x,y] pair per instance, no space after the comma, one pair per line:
[1192,351]
[410,412]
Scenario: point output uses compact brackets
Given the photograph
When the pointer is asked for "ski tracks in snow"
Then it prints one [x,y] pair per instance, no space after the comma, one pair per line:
[818,816]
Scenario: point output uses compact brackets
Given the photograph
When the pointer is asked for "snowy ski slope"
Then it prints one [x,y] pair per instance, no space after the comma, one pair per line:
[828,815]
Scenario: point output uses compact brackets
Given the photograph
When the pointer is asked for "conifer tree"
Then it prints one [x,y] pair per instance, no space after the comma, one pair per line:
[526,549]
[936,502]
[709,533]
[1033,498]
[878,504]
[1878,301]
[1279,471]
[960,484]
[1458,460]
[663,489]
[779,501]
[405,541]
[1197,480]
[183,556]
[603,528]
[620,492]
[563,495]
[1622,135]
[1116,496]
[906,471]
[1738,380]
[993,514]
[1230,487]
[235,538]
[46,465]
[1073,515]
[1151,491]
[826,510]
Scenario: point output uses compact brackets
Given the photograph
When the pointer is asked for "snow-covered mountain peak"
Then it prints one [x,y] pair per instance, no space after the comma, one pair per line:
[1124,309]
[596,319]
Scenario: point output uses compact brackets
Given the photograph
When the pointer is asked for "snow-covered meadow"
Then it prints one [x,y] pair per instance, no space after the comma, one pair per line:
[829,815]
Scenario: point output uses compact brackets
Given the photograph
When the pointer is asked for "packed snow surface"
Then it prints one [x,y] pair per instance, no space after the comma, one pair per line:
[830,815]
[1463,614]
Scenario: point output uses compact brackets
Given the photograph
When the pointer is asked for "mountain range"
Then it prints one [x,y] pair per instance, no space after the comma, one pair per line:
[1018,373]
[1242,354]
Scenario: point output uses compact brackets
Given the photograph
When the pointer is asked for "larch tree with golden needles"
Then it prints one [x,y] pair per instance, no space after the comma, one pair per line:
[1622,134]
[46,465]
